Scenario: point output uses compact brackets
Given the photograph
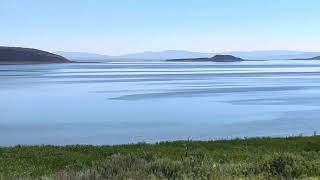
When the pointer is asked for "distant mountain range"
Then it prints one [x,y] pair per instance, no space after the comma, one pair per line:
[148,55]
[174,54]
[83,56]
[19,55]
[274,55]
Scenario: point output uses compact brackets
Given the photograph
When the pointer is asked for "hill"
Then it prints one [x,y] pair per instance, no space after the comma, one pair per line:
[19,55]
[216,58]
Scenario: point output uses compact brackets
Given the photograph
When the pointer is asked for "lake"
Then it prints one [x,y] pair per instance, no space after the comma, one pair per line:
[129,102]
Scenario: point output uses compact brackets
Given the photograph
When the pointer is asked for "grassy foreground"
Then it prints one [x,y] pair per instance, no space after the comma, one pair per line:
[257,158]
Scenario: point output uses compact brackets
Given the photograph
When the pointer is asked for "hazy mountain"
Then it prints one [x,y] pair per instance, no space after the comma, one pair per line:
[19,55]
[83,56]
[163,55]
[309,55]
[272,55]
[174,54]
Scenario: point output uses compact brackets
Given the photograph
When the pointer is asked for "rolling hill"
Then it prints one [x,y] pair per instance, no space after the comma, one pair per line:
[19,55]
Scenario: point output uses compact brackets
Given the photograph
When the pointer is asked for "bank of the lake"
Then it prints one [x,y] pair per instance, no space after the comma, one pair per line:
[258,158]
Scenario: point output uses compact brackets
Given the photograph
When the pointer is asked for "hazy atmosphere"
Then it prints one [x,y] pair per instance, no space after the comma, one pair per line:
[119,27]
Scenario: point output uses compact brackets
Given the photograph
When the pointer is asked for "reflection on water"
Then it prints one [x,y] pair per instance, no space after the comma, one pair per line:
[127,102]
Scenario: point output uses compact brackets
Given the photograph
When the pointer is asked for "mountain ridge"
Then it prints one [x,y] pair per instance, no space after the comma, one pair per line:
[183,54]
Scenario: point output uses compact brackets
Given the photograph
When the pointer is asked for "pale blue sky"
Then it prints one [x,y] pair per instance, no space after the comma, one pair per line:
[127,26]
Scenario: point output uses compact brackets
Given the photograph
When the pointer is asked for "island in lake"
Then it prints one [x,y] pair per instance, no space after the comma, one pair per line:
[19,55]
[216,58]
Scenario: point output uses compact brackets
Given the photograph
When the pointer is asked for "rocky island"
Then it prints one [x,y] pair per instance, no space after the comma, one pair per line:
[216,58]
[19,55]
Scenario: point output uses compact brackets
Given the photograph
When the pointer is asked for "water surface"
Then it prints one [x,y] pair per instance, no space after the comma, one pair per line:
[127,102]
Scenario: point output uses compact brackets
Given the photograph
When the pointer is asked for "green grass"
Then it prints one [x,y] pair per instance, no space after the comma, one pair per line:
[256,158]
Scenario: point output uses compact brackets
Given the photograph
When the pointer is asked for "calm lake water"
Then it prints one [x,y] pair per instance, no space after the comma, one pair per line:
[116,103]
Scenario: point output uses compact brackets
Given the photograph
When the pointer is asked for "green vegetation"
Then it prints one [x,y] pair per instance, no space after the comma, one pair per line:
[257,158]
